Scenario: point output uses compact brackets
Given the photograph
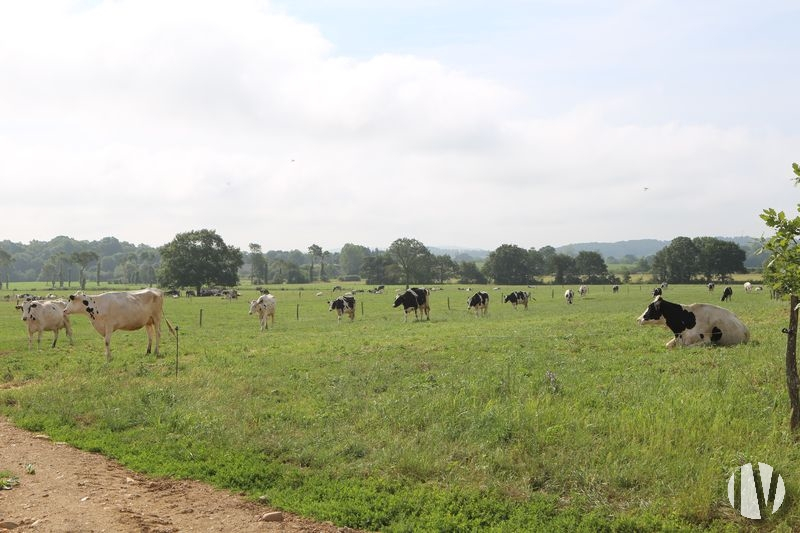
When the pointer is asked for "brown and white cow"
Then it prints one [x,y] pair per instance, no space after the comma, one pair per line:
[343,305]
[127,311]
[696,324]
[45,315]
[265,306]
[479,302]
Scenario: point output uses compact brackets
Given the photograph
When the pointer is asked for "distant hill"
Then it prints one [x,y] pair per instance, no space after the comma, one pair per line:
[636,248]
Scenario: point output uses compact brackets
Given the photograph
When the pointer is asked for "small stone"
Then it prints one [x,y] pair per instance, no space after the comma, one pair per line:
[275,516]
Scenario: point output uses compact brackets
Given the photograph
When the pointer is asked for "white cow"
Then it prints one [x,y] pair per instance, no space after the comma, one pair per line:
[696,324]
[127,311]
[569,295]
[748,286]
[583,290]
[265,307]
[45,315]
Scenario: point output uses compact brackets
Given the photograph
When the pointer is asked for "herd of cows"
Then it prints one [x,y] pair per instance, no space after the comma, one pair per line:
[132,310]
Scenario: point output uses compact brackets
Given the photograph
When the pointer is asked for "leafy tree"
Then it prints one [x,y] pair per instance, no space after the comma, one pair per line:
[377,269]
[591,265]
[783,275]
[563,268]
[322,258]
[198,258]
[314,251]
[677,262]
[5,264]
[258,265]
[413,258]
[537,261]
[444,268]
[351,257]
[508,264]
[83,259]
[718,259]
[471,274]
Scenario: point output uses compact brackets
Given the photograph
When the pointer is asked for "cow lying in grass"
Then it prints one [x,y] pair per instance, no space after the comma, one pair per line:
[696,324]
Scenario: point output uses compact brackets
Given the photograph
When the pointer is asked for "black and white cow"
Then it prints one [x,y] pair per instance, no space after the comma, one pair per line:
[696,323]
[711,287]
[727,294]
[569,295]
[615,289]
[518,298]
[413,299]
[657,292]
[345,304]
[479,302]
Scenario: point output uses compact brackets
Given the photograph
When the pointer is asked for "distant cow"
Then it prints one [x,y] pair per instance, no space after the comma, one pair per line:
[413,299]
[265,307]
[696,323]
[345,304]
[479,302]
[569,295]
[727,294]
[657,292]
[42,316]
[710,287]
[615,289]
[583,290]
[518,298]
[127,311]
[748,286]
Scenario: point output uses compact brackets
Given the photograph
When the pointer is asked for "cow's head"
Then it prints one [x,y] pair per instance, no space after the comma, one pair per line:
[79,303]
[653,314]
[253,306]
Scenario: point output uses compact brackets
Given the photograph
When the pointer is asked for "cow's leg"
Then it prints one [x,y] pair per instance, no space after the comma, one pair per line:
[39,340]
[157,335]
[68,327]
[107,337]
[30,340]
[55,337]
[149,329]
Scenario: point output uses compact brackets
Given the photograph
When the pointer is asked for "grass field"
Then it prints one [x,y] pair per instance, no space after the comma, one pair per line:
[558,418]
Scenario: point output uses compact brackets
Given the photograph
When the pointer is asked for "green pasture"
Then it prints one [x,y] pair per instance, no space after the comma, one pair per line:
[558,418]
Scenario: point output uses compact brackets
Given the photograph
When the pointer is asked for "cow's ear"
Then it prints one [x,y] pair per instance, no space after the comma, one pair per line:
[71,297]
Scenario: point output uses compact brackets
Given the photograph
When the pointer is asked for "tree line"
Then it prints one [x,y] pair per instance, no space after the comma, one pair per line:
[202,258]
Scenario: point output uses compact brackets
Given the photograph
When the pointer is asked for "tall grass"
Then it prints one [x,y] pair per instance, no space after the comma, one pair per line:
[561,417]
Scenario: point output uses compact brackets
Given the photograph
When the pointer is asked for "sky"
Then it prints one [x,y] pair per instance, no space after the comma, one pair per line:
[459,123]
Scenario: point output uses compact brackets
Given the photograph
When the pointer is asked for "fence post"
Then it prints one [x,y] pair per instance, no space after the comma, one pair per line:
[297,312]
[201,317]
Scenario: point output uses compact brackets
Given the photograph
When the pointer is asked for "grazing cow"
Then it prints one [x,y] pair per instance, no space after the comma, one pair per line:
[518,298]
[479,302]
[748,286]
[569,295]
[344,304]
[42,316]
[265,307]
[710,287]
[615,289]
[664,285]
[583,290]
[657,292]
[727,294]
[413,299]
[127,311]
[696,323]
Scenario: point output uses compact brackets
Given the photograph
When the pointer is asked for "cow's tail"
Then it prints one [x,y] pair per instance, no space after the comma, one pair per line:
[171,329]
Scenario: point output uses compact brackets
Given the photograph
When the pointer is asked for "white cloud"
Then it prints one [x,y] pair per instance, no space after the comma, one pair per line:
[163,117]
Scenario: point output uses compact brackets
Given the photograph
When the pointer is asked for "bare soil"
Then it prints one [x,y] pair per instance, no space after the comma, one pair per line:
[68,490]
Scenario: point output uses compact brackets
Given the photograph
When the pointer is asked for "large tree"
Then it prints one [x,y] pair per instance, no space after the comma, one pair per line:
[413,258]
[508,264]
[351,258]
[591,265]
[258,265]
[5,264]
[314,251]
[83,259]
[718,259]
[677,262]
[198,258]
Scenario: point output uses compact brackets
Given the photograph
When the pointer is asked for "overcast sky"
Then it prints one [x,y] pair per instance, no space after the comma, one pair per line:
[455,122]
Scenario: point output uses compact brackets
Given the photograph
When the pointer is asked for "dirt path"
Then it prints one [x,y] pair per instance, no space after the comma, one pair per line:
[75,491]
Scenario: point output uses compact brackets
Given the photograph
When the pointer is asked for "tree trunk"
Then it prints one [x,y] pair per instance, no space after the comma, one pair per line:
[792,379]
